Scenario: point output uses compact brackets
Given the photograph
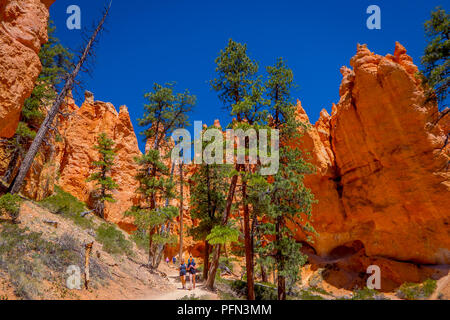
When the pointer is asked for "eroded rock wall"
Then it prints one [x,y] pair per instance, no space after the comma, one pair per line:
[382,172]
[23,30]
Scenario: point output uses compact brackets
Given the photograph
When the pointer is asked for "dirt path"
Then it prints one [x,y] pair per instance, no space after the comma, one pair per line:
[176,292]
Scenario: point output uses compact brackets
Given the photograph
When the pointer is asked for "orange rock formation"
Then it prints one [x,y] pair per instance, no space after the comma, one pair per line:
[382,172]
[22,32]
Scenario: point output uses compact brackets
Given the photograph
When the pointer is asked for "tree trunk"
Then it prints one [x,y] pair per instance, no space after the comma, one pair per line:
[280,261]
[181,212]
[213,268]
[216,255]
[264,274]
[46,124]
[87,255]
[206,260]
[248,245]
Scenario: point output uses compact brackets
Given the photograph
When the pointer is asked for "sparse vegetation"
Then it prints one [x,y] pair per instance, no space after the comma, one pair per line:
[10,205]
[113,240]
[194,297]
[367,294]
[65,204]
[416,291]
[29,259]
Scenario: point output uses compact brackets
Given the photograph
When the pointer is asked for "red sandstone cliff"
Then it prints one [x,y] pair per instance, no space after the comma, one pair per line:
[23,30]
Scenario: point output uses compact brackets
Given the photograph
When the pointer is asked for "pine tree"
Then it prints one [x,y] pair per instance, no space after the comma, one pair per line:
[283,198]
[105,184]
[207,200]
[436,59]
[165,112]
[241,91]
[56,62]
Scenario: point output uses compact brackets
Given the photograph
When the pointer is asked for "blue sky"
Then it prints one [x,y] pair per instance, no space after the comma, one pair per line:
[164,41]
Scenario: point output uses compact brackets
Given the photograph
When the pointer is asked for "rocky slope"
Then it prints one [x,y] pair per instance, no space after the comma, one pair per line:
[22,32]
[382,180]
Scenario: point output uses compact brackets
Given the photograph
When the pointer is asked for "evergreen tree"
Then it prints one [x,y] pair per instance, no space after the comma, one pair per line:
[165,112]
[283,198]
[105,184]
[241,91]
[56,62]
[207,201]
[436,59]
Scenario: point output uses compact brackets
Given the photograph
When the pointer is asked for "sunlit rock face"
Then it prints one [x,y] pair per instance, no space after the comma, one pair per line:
[23,30]
[79,133]
[382,171]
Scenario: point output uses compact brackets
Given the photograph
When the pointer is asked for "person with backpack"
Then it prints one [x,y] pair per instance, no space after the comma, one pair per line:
[192,271]
[183,274]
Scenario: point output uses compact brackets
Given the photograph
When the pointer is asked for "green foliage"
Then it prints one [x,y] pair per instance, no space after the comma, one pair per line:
[364,294]
[105,184]
[414,291]
[236,83]
[113,240]
[69,207]
[141,239]
[10,205]
[223,235]
[436,59]
[285,198]
[209,187]
[165,112]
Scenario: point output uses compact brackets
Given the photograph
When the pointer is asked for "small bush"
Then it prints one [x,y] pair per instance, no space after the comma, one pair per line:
[10,205]
[28,259]
[364,294]
[414,291]
[141,239]
[68,206]
[113,240]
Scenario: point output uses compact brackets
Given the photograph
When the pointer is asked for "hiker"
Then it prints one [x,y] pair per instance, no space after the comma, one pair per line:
[174,260]
[183,274]
[192,271]
[167,261]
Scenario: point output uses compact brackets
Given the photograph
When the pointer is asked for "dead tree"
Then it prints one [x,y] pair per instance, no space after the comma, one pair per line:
[88,249]
[47,123]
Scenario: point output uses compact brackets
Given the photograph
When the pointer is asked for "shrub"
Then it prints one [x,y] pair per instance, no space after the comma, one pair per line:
[364,294]
[141,239]
[10,205]
[113,240]
[68,206]
[414,291]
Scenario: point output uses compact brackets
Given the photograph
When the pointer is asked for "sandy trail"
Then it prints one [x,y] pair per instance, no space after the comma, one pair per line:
[176,292]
